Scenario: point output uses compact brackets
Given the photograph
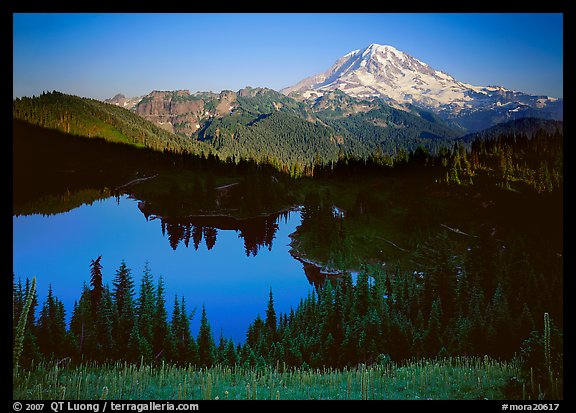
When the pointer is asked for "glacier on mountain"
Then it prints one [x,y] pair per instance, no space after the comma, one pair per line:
[382,71]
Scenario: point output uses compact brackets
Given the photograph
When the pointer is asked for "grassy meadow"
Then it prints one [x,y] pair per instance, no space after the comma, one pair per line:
[449,378]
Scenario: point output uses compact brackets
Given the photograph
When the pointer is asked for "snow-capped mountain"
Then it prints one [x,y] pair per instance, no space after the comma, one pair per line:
[390,74]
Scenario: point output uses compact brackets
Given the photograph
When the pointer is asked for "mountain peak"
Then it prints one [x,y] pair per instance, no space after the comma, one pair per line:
[382,71]
[377,70]
[382,47]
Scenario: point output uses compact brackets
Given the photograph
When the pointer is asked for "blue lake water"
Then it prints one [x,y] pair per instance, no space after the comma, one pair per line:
[232,285]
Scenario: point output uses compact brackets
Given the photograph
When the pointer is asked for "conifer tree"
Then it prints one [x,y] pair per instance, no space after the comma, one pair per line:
[145,307]
[103,325]
[185,347]
[123,294]
[80,327]
[97,285]
[270,320]
[206,347]
[52,327]
[433,335]
[230,354]
[162,337]
[137,349]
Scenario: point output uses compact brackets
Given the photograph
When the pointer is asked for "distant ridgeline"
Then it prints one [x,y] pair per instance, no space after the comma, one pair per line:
[91,118]
[266,127]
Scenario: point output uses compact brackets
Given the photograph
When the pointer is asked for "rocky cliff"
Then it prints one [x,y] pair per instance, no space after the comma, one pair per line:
[181,112]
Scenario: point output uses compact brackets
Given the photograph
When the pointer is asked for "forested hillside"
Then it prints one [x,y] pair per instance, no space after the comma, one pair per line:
[267,127]
[257,124]
[91,118]
[298,136]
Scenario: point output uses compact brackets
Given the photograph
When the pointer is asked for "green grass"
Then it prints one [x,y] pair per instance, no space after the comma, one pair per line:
[452,378]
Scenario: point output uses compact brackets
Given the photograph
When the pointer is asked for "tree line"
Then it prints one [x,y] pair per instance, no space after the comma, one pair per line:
[271,129]
[488,302]
[516,161]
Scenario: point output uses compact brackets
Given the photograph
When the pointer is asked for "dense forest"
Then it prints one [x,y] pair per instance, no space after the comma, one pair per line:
[519,155]
[455,306]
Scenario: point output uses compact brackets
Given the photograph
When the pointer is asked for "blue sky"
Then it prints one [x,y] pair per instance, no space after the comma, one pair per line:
[99,55]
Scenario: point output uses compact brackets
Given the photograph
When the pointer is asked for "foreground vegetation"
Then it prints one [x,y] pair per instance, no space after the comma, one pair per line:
[368,333]
[452,378]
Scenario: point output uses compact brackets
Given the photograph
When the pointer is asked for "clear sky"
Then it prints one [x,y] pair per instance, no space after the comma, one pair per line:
[99,55]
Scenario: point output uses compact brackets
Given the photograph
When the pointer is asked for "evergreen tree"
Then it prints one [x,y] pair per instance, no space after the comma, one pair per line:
[230,355]
[104,327]
[220,354]
[162,337]
[138,348]
[433,336]
[97,285]
[145,308]
[185,347]
[206,347]
[80,323]
[52,333]
[124,312]
[543,180]
[500,337]
[270,320]
[455,170]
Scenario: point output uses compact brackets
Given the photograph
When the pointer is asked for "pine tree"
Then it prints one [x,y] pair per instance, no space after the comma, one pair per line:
[162,337]
[362,295]
[123,322]
[180,328]
[96,283]
[52,327]
[230,355]
[145,309]
[206,347]
[103,325]
[501,340]
[433,335]
[191,349]
[270,320]
[137,349]
[455,170]
[543,179]
[80,327]
[466,168]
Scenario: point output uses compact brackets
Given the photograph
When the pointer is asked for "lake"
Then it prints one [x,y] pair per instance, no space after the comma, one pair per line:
[227,265]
